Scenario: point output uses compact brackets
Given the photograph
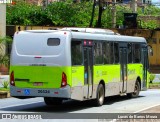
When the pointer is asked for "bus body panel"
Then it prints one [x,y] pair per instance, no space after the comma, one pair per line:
[39,76]
[111,75]
[36,49]
[77,76]
[38,60]
[77,83]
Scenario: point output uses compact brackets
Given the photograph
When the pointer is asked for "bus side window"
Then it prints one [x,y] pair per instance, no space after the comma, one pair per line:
[116,53]
[130,53]
[76,53]
[98,52]
[137,53]
[111,53]
[107,53]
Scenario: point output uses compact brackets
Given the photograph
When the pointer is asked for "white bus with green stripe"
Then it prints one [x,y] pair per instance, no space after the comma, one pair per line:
[78,64]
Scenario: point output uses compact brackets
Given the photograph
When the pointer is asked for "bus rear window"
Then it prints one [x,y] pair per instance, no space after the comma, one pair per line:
[53,42]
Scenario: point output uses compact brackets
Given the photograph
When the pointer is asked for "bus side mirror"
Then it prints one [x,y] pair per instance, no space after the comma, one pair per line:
[150,50]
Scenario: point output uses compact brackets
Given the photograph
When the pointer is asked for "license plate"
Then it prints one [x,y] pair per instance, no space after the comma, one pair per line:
[37,84]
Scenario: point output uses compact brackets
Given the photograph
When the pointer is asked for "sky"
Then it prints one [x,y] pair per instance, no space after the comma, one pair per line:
[155,1]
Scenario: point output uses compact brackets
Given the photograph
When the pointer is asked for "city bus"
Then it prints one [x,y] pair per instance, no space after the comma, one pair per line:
[77,64]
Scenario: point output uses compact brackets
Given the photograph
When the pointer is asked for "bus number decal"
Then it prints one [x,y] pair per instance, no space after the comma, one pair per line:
[43,91]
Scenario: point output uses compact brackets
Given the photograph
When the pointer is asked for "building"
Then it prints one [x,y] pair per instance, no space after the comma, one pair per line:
[41,2]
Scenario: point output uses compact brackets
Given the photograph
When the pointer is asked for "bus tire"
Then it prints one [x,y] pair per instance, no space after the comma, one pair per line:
[52,101]
[136,91]
[100,95]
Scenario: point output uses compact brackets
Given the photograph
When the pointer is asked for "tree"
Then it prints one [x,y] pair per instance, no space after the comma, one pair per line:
[100,13]
[67,13]
[93,12]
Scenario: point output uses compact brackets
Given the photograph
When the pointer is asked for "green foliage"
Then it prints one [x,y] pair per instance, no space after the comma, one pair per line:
[4,89]
[149,10]
[25,14]
[152,24]
[57,14]
[107,17]
[5,84]
[61,14]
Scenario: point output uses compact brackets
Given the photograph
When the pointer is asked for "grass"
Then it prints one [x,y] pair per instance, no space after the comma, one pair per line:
[4,89]
[154,85]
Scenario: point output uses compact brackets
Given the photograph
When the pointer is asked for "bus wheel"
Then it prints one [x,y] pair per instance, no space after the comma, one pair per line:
[100,95]
[52,101]
[136,91]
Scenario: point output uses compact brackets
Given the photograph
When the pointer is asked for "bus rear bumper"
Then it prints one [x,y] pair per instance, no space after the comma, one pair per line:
[40,92]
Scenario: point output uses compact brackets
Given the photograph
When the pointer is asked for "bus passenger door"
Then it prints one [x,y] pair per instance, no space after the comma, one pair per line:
[88,72]
[123,70]
[144,60]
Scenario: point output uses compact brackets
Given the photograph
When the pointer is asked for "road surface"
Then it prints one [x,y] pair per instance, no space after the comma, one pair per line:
[146,100]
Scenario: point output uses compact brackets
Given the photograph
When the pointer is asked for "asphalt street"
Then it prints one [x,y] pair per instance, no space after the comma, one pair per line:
[148,101]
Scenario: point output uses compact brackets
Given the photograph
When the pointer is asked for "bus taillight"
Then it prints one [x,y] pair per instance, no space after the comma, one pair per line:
[12,79]
[64,80]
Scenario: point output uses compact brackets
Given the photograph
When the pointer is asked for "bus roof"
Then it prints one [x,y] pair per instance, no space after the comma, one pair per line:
[93,34]
[104,37]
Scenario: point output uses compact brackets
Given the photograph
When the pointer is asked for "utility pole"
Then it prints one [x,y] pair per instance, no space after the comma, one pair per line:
[2,19]
[134,6]
[99,24]
[44,3]
[114,14]
[2,24]
[93,12]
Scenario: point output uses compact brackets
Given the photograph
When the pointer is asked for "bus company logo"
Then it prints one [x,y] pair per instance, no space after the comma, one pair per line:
[5,1]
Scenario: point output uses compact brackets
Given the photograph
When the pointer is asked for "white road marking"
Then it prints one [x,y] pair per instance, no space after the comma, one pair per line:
[146,108]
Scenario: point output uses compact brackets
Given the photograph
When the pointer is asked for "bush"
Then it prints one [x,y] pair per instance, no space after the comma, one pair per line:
[152,24]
